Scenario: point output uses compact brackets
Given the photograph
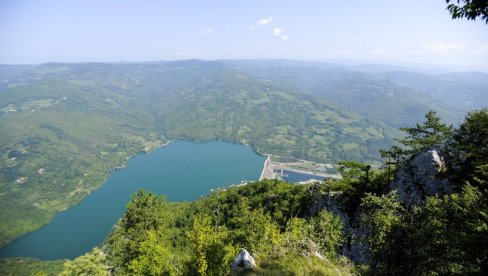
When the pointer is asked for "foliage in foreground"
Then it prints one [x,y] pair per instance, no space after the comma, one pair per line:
[280,224]
[203,237]
[469,9]
[92,263]
[445,234]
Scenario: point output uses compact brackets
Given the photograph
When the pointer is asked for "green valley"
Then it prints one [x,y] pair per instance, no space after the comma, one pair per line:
[243,138]
[65,127]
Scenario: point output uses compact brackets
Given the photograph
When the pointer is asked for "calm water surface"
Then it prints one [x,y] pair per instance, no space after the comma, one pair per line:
[182,171]
[298,177]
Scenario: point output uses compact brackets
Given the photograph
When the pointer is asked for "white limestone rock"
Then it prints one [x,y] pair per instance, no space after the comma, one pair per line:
[243,260]
[420,178]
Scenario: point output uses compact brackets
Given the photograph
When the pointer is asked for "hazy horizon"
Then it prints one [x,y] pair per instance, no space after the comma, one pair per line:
[398,66]
[412,34]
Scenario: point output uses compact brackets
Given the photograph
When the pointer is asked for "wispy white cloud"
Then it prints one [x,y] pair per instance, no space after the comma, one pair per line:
[481,50]
[213,32]
[264,21]
[261,22]
[277,32]
[443,48]
[381,52]
[343,52]
[208,32]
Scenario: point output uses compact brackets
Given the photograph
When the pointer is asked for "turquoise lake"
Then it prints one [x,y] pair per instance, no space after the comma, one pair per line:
[182,171]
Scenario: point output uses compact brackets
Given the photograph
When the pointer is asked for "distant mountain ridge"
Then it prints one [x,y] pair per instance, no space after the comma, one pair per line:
[393,96]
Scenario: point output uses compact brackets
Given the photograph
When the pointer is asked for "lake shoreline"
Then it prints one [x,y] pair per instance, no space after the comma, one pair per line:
[171,172]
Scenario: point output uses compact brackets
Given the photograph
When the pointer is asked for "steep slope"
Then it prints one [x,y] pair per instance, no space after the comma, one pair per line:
[459,92]
[395,98]
[59,144]
[274,118]
[64,127]
[10,72]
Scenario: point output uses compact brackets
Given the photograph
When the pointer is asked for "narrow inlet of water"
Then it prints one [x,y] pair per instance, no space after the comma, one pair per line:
[181,170]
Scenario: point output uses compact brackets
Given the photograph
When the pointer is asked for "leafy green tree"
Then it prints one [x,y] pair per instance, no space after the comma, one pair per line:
[252,228]
[471,147]
[153,258]
[379,217]
[296,235]
[327,232]
[449,235]
[90,264]
[420,138]
[211,252]
[357,180]
[355,170]
[471,9]
[144,213]
[426,135]
[445,236]
[200,237]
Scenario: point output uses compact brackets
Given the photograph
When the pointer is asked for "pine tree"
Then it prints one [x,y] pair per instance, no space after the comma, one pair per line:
[471,148]
[424,136]
[395,156]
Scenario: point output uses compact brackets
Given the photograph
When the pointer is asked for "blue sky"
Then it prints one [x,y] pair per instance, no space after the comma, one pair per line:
[383,31]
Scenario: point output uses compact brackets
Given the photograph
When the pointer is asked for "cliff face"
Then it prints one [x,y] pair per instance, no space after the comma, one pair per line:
[419,178]
[355,250]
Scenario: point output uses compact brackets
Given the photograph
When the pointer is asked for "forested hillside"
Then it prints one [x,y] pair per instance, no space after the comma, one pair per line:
[318,229]
[64,127]
[379,92]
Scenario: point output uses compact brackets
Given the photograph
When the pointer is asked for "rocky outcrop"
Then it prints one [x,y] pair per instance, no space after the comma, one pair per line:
[243,261]
[420,177]
[356,251]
